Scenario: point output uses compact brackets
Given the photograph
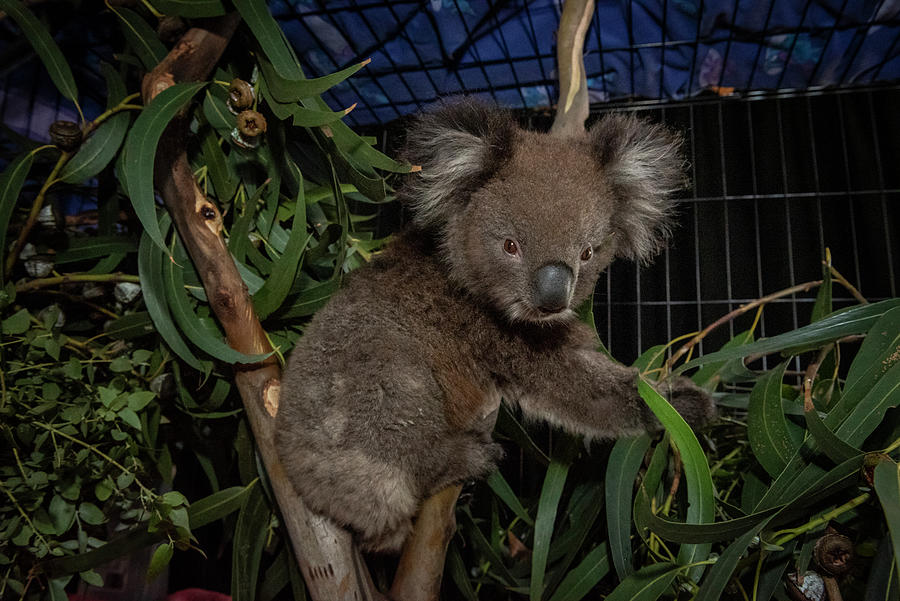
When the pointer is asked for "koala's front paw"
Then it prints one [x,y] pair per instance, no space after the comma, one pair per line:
[694,404]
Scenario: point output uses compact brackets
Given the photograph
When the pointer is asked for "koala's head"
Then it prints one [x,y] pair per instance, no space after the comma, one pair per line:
[527,221]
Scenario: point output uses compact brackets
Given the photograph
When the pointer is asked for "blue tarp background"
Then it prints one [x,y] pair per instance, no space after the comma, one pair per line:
[641,49]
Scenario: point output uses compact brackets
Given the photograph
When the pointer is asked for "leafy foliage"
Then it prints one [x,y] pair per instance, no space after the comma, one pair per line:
[112,363]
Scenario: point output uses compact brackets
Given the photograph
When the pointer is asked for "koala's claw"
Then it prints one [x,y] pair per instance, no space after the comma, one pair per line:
[695,404]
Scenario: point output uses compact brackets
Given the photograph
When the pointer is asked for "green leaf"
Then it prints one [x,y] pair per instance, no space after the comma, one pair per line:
[250,535]
[710,374]
[141,37]
[130,417]
[160,560]
[585,505]
[701,501]
[579,582]
[17,323]
[57,588]
[822,306]
[91,514]
[288,91]
[192,9]
[256,15]
[11,181]
[621,473]
[92,578]
[767,429]
[217,505]
[551,491]
[62,514]
[140,152]
[43,44]
[478,541]
[836,449]
[502,489]
[887,485]
[720,574]
[277,286]
[224,179]
[650,359]
[309,301]
[98,150]
[140,399]
[647,584]
[153,287]
[870,410]
[855,320]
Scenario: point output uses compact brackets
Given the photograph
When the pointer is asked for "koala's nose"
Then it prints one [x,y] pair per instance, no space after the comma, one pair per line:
[552,287]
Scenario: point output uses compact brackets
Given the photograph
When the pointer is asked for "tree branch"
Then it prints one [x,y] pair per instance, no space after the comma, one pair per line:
[573,106]
[325,552]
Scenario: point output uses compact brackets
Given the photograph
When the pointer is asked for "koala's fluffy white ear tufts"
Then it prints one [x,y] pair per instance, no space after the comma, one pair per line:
[459,148]
[644,166]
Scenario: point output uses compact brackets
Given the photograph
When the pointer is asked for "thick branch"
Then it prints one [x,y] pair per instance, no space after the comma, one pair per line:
[573,105]
[328,560]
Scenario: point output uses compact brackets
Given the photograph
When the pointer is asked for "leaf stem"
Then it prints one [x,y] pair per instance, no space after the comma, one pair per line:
[99,453]
[805,287]
[36,207]
[24,515]
[76,277]
[792,533]
[846,284]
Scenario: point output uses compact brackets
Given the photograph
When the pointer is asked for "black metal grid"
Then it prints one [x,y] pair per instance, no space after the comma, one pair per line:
[776,181]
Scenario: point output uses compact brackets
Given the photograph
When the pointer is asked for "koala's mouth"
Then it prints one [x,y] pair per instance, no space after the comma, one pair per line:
[522,311]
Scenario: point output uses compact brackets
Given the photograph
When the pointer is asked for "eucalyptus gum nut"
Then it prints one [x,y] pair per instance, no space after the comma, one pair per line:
[39,266]
[66,135]
[250,124]
[240,96]
[834,554]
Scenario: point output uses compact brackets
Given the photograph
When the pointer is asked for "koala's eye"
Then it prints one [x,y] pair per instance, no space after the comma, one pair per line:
[587,253]
[511,247]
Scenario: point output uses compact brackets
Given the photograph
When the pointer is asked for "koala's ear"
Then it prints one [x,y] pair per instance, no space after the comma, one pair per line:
[459,148]
[643,164]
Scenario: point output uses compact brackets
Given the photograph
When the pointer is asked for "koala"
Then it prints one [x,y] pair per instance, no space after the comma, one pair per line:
[391,394]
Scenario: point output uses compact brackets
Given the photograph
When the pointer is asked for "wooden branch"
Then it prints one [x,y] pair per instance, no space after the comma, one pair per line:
[572,108]
[325,552]
[421,566]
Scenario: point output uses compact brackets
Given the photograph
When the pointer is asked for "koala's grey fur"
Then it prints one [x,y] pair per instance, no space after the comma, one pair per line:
[390,394]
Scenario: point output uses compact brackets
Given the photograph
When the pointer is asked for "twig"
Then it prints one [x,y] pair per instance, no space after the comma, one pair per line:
[810,376]
[70,278]
[36,207]
[736,313]
[846,284]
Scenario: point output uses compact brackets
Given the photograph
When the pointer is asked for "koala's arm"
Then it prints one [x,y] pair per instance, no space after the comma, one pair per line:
[584,391]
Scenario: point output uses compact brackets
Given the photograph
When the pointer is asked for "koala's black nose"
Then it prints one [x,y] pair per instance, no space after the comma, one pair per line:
[552,285]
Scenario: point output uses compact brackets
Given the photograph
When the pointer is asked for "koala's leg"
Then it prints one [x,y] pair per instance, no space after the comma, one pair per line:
[585,392]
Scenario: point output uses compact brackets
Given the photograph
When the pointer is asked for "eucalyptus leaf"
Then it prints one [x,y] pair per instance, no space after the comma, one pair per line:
[143,40]
[767,429]
[11,181]
[621,473]
[140,152]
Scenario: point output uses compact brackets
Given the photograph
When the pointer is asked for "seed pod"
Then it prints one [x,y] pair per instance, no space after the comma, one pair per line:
[240,96]
[251,124]
[834,554]
[66,135]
